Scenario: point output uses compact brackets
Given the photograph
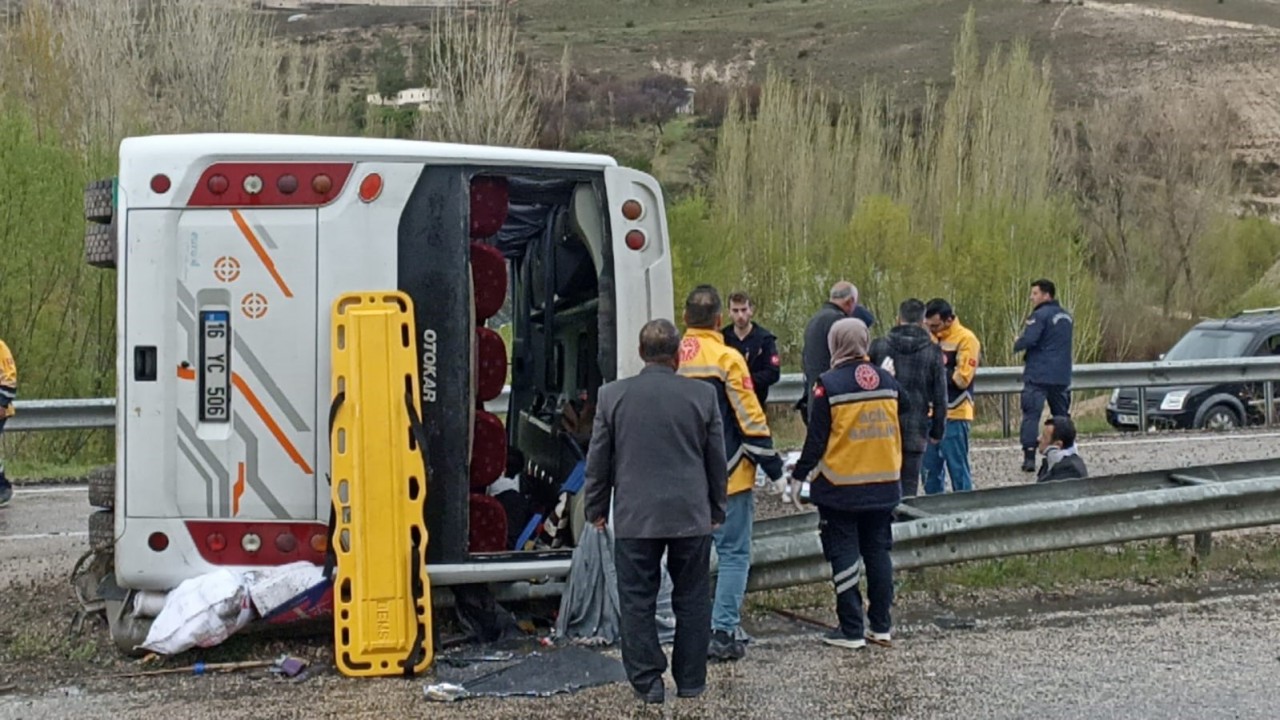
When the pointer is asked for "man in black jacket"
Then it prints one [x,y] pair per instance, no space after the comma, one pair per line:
[841,303]
[1061,460]
[657,451]
[916,362]
[1046,340]
[757,345]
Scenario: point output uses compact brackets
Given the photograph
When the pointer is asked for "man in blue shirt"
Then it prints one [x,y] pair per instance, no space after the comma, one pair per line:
[1046,341]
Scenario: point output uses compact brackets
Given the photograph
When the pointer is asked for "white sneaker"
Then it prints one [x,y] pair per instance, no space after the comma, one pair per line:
[881,639]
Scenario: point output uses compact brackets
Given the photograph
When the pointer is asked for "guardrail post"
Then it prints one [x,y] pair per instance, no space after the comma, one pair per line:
[1142,409]
[1269,398]
[1204,544]
[1004,414]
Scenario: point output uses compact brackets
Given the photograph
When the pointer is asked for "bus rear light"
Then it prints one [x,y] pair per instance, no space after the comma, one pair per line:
[270,184]
[636,240]
[158,541]
[371,187]
[160,184]
[261,543]
[632,210]
[218,184]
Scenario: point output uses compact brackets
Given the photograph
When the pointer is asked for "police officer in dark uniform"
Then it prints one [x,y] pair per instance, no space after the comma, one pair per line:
[852,455]
[757,345]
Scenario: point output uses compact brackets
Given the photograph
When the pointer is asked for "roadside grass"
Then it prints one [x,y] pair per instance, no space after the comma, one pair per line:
[23,470]
[39,644]
[1148,563]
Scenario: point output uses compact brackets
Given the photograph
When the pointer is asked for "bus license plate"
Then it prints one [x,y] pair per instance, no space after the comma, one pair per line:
[215,372]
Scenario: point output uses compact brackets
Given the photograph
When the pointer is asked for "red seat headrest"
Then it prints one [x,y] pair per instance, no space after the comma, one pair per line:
[488,205]
[488,450]
[489,276]
[491,364]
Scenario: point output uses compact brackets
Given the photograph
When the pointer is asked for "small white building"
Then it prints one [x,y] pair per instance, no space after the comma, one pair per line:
[686,107]
[426,99]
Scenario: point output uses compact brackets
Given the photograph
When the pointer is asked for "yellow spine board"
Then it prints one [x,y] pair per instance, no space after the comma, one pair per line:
[381,595]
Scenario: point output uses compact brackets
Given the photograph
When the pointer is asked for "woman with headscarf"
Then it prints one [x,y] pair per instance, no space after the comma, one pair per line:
[851,458]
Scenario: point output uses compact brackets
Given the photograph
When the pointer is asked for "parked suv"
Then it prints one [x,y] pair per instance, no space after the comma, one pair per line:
[1224,406]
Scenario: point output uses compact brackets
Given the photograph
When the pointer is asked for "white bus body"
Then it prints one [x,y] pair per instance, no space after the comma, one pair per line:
[230,251]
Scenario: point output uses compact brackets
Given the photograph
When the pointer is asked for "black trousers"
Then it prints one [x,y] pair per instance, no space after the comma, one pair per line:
[858,543]
[909,476]
[639,566]
[1034,396]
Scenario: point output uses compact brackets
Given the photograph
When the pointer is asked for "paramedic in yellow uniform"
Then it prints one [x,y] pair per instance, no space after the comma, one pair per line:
[851,458]
[747,443]
[8,393]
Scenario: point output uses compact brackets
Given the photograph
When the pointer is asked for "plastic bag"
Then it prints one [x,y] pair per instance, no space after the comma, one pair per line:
[201,612]
[589,606]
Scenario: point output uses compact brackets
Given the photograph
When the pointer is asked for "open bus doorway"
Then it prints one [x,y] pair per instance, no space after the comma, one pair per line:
[557,331]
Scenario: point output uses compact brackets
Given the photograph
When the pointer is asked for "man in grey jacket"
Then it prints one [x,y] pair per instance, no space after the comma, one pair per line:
[657,447]
[842,302]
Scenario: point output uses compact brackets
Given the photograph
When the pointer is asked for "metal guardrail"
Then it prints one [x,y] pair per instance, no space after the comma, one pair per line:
[1020,520]
[993,523]
[34,415]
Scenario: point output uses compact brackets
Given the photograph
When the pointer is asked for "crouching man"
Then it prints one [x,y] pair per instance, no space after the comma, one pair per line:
[852,456]
[1058,445]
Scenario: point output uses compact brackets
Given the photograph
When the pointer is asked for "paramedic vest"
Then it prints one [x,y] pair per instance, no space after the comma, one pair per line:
[859,467]
[747,443]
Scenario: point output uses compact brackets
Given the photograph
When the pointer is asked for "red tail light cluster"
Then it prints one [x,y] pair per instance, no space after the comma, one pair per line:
[635,239]
[269,184]
[258,543]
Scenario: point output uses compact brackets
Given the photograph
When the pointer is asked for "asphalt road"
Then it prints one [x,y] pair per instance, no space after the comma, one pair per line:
[42,532]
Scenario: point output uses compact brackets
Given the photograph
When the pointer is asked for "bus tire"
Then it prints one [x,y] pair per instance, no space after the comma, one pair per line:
[99,201]
[100,246]
[102,530]
[102,488]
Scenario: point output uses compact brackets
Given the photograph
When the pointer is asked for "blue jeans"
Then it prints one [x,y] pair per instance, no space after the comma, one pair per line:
[858,543]
[733,550]
[4,481]
[953,453]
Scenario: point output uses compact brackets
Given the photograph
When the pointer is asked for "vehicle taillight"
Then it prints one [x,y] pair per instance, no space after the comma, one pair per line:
[158,541]
[160,184]
[222,542]
[371,187]
[270,184]
[635,240]
[632,209]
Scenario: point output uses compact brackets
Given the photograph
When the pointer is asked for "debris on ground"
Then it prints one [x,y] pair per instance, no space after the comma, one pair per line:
[538,674]
[201,612]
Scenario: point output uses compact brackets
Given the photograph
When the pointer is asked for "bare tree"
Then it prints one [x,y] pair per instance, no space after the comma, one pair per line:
[481,83]
[1152,180]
